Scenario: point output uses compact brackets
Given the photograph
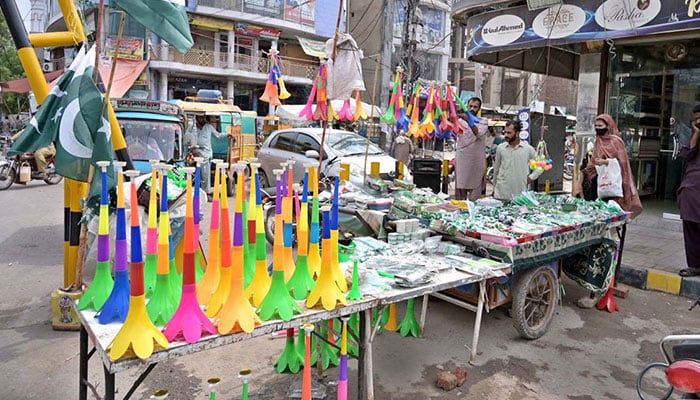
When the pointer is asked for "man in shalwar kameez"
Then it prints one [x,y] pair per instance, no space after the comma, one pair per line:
[470,155]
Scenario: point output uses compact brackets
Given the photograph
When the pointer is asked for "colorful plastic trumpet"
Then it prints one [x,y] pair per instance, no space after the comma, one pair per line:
[359,110]
[314,258]
[355,293]
[117,305]
[237,314]
[307,111]
[339,275]
[188,320]
[402,120]
[278,301]
[258,288]
[138,332]
[97,293]
[288,221]
[414,125]
[210,281]
[163,303]
[248,220]
[221,293]
[326,291]
[301,346]
[320,112]
[343,370]
[213,383]
[306,381]
[199,272]
[409,325]
[391,324]
[244,376]
[345,114]
[301,282]
[290,360]
[151,268]
[390,116]
[330,355]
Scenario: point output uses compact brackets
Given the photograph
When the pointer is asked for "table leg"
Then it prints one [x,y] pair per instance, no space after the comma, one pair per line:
[82,386]
[109,384]
[364,365]
[477,321]
[423,312]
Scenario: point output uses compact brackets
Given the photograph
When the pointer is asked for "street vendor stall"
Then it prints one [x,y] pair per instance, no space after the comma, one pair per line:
[97,338]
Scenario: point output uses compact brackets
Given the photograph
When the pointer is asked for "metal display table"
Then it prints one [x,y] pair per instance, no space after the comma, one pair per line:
[101,336]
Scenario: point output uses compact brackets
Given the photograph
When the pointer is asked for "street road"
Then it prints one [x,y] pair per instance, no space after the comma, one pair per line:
[587,354]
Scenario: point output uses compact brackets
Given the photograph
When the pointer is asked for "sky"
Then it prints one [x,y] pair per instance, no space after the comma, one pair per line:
[24,11]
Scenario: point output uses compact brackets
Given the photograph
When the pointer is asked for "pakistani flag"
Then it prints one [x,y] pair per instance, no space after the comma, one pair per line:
[71,118]
[165,18]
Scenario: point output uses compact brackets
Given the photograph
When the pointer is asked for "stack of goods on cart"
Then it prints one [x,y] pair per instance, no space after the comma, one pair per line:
[527,217]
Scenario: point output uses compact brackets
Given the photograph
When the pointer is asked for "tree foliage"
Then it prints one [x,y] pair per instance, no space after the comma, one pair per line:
[10,68]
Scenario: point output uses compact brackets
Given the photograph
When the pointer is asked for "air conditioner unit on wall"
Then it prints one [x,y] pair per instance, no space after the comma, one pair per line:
[47,66]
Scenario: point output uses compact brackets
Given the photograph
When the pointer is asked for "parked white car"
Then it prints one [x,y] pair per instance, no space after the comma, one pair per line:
[303,145]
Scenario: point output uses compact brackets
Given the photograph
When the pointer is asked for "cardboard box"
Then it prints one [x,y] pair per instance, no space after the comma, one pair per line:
[63,315]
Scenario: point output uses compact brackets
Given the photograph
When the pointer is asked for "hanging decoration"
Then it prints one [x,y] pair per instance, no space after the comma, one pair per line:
[274,82]
[389,116]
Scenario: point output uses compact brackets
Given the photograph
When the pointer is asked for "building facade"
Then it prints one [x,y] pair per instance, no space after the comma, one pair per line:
[231,41]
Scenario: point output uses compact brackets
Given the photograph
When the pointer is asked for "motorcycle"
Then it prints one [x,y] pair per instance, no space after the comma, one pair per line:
[22,169]
[682,366]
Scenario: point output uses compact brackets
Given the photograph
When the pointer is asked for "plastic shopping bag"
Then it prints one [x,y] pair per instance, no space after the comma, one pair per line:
[609,179]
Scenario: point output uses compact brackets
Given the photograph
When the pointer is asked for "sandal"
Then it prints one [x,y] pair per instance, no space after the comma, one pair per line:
[687,272]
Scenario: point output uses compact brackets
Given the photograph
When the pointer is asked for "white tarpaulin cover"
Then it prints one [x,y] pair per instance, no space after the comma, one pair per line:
[347,67]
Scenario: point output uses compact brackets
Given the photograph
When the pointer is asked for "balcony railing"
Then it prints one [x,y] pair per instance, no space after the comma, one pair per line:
[252,63]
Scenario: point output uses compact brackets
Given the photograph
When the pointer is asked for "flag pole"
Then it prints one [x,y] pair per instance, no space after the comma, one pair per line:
[91,173]
[328,101]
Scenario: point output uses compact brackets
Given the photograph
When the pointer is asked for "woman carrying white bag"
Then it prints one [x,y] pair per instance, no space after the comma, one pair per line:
[615,181]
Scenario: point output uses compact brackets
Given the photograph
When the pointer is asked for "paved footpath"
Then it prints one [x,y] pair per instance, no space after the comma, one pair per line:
[653,254]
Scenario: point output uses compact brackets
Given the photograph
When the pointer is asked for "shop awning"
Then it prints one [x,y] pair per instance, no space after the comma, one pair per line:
[125,74]
[22,85]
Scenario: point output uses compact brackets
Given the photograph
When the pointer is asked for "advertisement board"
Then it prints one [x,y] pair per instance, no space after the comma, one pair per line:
[270,8]
[130,48]
[579,21]
[300,11]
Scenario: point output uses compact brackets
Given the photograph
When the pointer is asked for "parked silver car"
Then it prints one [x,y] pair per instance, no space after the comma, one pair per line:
[303,145]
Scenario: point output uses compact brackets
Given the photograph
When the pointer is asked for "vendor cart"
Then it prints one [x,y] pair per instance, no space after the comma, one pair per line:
[587,254]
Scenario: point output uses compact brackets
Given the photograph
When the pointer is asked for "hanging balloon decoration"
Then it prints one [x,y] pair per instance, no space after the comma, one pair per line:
[274,82]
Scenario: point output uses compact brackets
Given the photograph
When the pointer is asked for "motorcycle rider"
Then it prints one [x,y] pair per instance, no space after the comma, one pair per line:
[41,156]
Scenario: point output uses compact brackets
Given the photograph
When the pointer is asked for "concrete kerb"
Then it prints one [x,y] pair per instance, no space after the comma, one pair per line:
[662,281]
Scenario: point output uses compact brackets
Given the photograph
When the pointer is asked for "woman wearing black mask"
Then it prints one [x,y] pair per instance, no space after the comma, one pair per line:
[608,145]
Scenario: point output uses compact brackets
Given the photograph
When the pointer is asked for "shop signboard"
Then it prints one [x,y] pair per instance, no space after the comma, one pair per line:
[130,48]
[300,11]
[246,29]
[578,21]
[432,20]
[269,8]
[524,118]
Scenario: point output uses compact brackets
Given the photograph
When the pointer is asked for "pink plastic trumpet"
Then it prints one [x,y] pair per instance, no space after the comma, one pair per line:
[343,369]
[221,293]
[210,281]
[117,305]
[138,332]
[188,320]
[196,203]
[237,314]
[345,114]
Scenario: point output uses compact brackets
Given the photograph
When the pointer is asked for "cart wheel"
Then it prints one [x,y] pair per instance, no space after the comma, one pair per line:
[535,301]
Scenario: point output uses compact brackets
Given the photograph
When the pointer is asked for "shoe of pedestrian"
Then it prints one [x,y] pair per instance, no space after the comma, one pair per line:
[688,272]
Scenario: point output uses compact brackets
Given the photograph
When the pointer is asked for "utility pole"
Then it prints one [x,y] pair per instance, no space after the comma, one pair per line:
[408,41]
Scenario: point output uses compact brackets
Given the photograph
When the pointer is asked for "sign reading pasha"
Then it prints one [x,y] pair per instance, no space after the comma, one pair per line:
[577,21]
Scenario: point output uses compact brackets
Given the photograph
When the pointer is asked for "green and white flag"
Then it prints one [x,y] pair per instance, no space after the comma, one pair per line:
[71,118]
[165,18]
